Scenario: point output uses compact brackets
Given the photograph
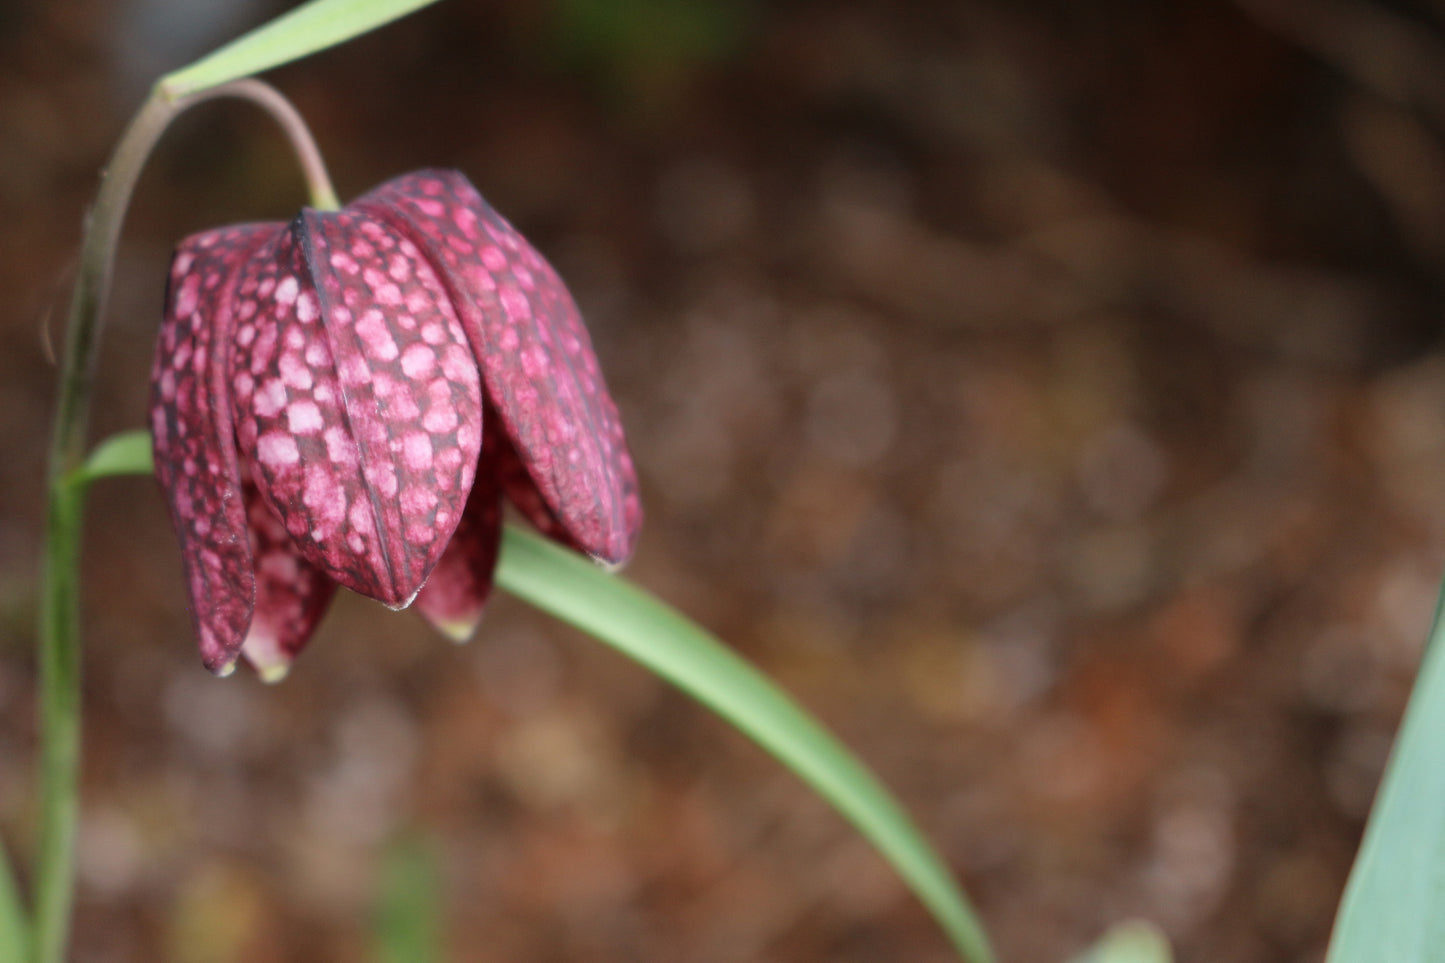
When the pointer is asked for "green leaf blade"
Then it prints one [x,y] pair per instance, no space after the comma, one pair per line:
[128,453]
[576,591]
[307,29]
[1393,909]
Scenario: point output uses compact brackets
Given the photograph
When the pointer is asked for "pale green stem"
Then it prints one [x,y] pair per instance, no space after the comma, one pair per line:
[59,642]
[407,927]
[14,929]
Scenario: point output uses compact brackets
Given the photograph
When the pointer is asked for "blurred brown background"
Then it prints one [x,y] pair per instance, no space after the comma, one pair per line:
[1050,395]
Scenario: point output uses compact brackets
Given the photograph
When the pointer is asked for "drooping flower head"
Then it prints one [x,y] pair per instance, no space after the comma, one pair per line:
[346,399]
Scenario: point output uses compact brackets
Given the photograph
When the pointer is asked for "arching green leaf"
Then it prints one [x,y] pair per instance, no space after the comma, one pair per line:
[300,32]
[576,591]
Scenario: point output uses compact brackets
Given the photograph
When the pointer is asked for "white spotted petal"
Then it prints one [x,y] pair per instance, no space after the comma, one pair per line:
[566,463]
[358,401]
[195,454]
[291,594]
[453,598]
[317,412]
[251,593]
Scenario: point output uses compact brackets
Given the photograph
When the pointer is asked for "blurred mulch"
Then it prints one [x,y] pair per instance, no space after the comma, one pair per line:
[1048,395]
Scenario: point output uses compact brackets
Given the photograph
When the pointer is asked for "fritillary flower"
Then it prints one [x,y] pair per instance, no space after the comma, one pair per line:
[347,398]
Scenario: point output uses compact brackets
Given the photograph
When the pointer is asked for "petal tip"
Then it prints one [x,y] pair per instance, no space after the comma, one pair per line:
[402,603]
[273,672]
[611,565]
[458,630]
[263,650]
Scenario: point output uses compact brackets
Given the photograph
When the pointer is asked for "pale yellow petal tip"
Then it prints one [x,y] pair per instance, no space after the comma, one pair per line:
[460,631]
[226,670]
[273,672]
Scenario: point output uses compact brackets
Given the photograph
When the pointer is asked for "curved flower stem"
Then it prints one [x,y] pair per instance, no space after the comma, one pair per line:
[313,168]
[59,643]
[92,283]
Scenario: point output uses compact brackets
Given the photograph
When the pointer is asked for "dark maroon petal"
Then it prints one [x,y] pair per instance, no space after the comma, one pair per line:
[453,598]
[191,431]
[291,594]
[358,399]
[521,491]
[537,362]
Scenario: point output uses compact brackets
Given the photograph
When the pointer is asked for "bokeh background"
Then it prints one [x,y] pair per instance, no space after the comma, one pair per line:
[1050,395]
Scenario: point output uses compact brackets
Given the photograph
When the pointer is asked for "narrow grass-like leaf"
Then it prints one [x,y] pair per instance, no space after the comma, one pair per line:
[14,930]
[408,927]
[298,33]
[576,591]
[1132,942]
[1394,905]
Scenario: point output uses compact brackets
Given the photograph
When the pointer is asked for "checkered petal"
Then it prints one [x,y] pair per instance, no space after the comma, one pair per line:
[453,598]
[291,594]
[537,361]
[357,399]
[191,433]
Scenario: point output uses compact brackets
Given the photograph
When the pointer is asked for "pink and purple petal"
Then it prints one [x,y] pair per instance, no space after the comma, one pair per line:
[191,431]
[291,594]
[456,594]
[521,491]
[359,401]
[537,361]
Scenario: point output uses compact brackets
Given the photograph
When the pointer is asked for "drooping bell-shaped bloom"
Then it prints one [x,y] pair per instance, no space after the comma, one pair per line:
[346,399]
